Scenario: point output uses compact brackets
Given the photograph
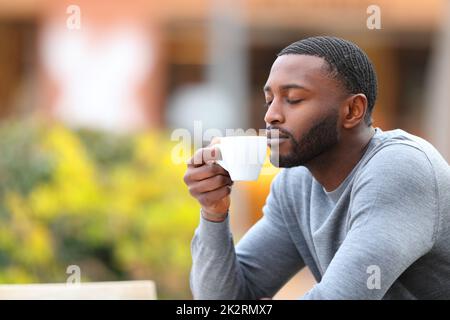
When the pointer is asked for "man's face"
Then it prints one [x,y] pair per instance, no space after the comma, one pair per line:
[303,103]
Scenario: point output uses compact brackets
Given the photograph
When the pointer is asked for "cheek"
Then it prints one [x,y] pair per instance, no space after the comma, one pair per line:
[300,119]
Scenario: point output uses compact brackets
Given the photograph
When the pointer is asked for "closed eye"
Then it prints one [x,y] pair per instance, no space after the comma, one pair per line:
[294,101]
[267,104]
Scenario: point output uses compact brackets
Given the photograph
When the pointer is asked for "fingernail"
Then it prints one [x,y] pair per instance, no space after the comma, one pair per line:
[213,153]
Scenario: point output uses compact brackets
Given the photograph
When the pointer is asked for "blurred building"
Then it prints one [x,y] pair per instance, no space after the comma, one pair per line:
[196,42]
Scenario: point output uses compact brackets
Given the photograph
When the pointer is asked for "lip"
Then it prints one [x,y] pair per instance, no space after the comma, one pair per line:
[273,141]
[276,135]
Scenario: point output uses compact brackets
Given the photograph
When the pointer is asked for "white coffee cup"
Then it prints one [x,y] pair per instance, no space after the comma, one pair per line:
[242,156]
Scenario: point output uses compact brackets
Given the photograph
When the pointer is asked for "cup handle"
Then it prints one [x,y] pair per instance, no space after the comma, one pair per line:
[221,162]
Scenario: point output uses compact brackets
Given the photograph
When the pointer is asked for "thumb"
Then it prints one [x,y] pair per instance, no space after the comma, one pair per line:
[214,140]
[213,153]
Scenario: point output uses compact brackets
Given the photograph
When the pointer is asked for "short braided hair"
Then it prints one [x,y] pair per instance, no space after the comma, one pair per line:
[347,62]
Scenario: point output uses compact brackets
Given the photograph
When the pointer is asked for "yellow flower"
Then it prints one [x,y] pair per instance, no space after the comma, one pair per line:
[38,246]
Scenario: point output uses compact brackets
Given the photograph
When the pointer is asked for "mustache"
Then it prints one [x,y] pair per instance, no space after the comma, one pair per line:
[278,132]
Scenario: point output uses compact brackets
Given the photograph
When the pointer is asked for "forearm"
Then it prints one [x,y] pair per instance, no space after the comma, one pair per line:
[256,268]
[216,273]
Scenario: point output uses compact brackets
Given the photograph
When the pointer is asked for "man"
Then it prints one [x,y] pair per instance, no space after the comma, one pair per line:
[367,211]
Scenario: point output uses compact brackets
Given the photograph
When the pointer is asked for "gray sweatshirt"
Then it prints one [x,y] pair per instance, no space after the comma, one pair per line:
[384,233]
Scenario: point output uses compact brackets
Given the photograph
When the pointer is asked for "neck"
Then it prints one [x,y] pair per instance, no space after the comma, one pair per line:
[332,167]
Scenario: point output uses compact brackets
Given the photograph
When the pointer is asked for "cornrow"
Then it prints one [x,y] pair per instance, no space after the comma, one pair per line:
[347,62]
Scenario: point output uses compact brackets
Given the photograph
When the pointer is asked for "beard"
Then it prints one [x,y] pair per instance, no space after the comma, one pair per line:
[321,137]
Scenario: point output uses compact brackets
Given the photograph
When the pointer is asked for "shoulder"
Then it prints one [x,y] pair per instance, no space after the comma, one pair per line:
[397,176]
[399,160]
[398,182]
[399,155]
[397,163]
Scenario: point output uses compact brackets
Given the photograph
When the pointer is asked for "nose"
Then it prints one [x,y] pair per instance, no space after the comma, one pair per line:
[274,114]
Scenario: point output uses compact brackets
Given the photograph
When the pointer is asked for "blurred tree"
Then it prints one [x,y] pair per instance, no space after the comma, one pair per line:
[113,205]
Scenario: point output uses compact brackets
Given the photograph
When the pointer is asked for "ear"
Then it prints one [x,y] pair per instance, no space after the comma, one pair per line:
[354,110]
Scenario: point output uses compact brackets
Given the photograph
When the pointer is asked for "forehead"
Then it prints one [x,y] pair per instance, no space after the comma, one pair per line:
[304,70]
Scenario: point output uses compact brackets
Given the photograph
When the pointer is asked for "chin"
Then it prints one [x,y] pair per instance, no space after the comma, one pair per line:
[278,160]
[274,161]
[289,160]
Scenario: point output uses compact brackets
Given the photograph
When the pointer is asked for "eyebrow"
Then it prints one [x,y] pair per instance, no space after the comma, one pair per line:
[287,87]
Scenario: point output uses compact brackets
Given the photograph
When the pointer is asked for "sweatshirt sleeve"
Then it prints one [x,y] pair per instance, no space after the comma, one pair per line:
[393,223]
[263,260]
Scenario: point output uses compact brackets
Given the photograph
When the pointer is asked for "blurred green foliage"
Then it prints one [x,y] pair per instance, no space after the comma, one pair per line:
[115,206]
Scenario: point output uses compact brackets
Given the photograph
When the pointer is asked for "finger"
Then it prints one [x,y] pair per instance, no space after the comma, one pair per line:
[210,184]
[209,198]
[194,174]
[204,155]
[204,172]
[214,140]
